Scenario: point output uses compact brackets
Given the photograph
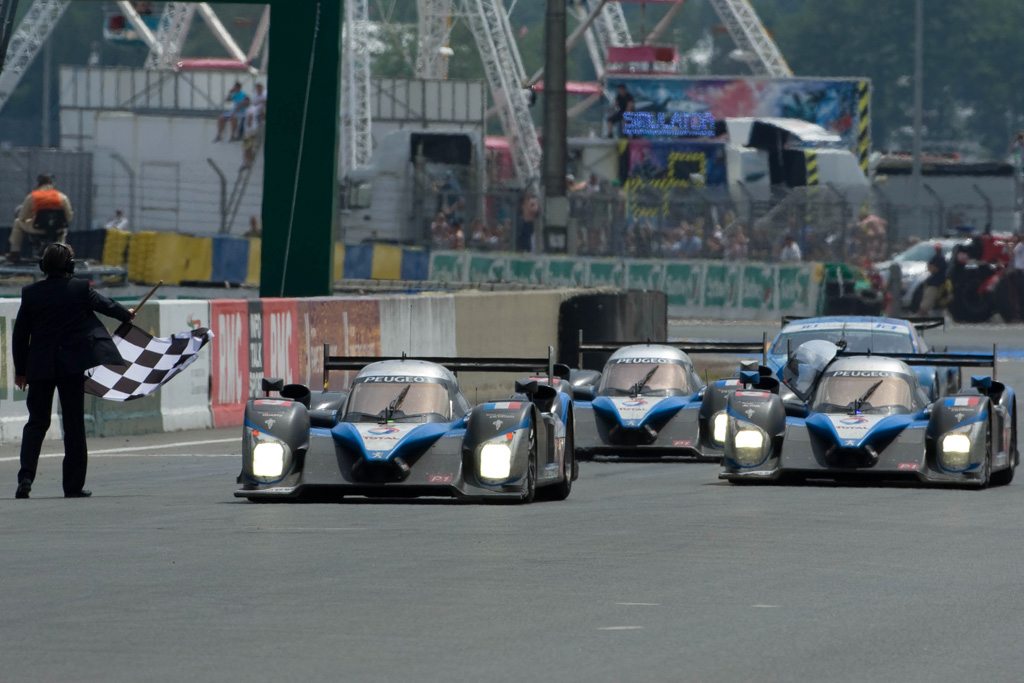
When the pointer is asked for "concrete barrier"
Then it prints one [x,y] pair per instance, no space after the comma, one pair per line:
[285,338]
[422,325]
[519,324]
[13,413]
[185,401]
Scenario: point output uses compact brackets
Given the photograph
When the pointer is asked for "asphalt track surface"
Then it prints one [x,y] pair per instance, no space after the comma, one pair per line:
[649,572]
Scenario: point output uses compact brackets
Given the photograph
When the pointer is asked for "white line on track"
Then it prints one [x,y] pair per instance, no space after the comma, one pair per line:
[639,604]
[765,606]
[129,451]
[620,628]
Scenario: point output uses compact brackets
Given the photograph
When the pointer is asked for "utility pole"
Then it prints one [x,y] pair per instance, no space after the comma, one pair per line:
[915,171]
[47,67]
[553,160]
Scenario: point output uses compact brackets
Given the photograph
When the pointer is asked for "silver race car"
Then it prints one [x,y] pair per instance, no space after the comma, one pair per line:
[650,402]
[867,417]
[406,430]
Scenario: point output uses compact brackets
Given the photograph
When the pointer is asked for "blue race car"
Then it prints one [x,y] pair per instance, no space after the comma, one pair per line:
[649,401]
[406,430]
[863,334]
[860,417]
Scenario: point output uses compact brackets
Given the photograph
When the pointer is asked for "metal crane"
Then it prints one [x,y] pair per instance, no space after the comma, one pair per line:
[26,42]
[356,142]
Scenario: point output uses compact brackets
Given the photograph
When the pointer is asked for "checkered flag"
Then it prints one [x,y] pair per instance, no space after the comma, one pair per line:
[151,362]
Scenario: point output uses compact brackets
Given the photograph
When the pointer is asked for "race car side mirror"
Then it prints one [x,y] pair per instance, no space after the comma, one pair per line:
[750,377]
[981,382]
[296,392]
[562,371]
[529,387]
[583,393]
[796,408]
[271,384]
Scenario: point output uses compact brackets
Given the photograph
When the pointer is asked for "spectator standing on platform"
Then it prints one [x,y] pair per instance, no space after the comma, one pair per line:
[1017,154]
[45,210]
[791,250]
[234,113]
[623,102]
[259,100]
[528,212]
[250,132]
[118,222]
[693,245]
[739,245]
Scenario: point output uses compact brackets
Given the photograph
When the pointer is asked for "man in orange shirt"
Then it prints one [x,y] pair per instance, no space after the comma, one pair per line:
[45,211]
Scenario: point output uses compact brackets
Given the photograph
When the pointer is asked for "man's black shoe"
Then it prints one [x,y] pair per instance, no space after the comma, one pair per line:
[23,488]
[81,494]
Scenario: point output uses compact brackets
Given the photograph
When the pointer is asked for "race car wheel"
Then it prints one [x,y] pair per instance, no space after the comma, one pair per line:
[562,489]
[1004,477]
[530,485]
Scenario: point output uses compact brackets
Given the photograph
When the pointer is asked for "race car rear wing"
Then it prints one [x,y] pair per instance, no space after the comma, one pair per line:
[687,346]
[455,364]
[919,323]
[947,359]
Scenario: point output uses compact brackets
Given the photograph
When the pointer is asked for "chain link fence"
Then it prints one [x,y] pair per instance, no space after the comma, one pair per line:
[607,219]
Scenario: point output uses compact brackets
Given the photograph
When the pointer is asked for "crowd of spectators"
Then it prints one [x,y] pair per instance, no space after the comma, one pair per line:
[245,115]
[599,209]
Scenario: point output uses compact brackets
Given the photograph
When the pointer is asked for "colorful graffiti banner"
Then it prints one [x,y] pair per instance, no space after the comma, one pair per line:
[659,168]
[832,104]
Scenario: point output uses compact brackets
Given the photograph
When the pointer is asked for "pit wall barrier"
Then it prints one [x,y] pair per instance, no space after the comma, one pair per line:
[284,338]
[175,258]
[724,290]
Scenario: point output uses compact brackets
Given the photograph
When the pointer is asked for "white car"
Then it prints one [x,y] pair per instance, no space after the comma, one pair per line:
[913,263]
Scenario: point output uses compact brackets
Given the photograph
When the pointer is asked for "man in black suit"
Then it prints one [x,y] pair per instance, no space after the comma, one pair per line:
[57,337]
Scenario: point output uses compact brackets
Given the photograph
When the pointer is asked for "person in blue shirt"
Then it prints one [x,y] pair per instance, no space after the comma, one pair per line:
[234,113]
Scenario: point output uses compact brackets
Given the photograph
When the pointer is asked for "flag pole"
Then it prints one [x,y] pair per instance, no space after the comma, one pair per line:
[146,298]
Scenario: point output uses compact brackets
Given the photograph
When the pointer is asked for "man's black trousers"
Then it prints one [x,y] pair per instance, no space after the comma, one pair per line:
[71,390]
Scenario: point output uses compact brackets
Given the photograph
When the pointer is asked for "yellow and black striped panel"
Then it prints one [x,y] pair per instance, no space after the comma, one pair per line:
[811,166]
[863,123]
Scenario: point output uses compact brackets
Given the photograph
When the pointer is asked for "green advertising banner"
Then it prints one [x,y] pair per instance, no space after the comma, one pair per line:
[721,286]
[528,270]
[485,268]
[565,272]
[645,275]
[682,283]
[758,288]
[448,266]
[604,273]
[716,289]
[795,290]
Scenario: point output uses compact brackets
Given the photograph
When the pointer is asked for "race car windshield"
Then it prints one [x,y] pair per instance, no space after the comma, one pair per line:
[836,393]
[621,378]
[371,401]
[857,341]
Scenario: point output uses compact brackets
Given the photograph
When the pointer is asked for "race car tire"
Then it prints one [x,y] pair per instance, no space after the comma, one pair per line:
[562,489]
[530,485]
[986,472]
[1002,477]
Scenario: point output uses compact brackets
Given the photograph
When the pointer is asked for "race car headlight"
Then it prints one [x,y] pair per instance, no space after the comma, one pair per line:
[748,444]
[719,423]
[748,439]
[268,459]
[495,461]
[956,443]
[955,452]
